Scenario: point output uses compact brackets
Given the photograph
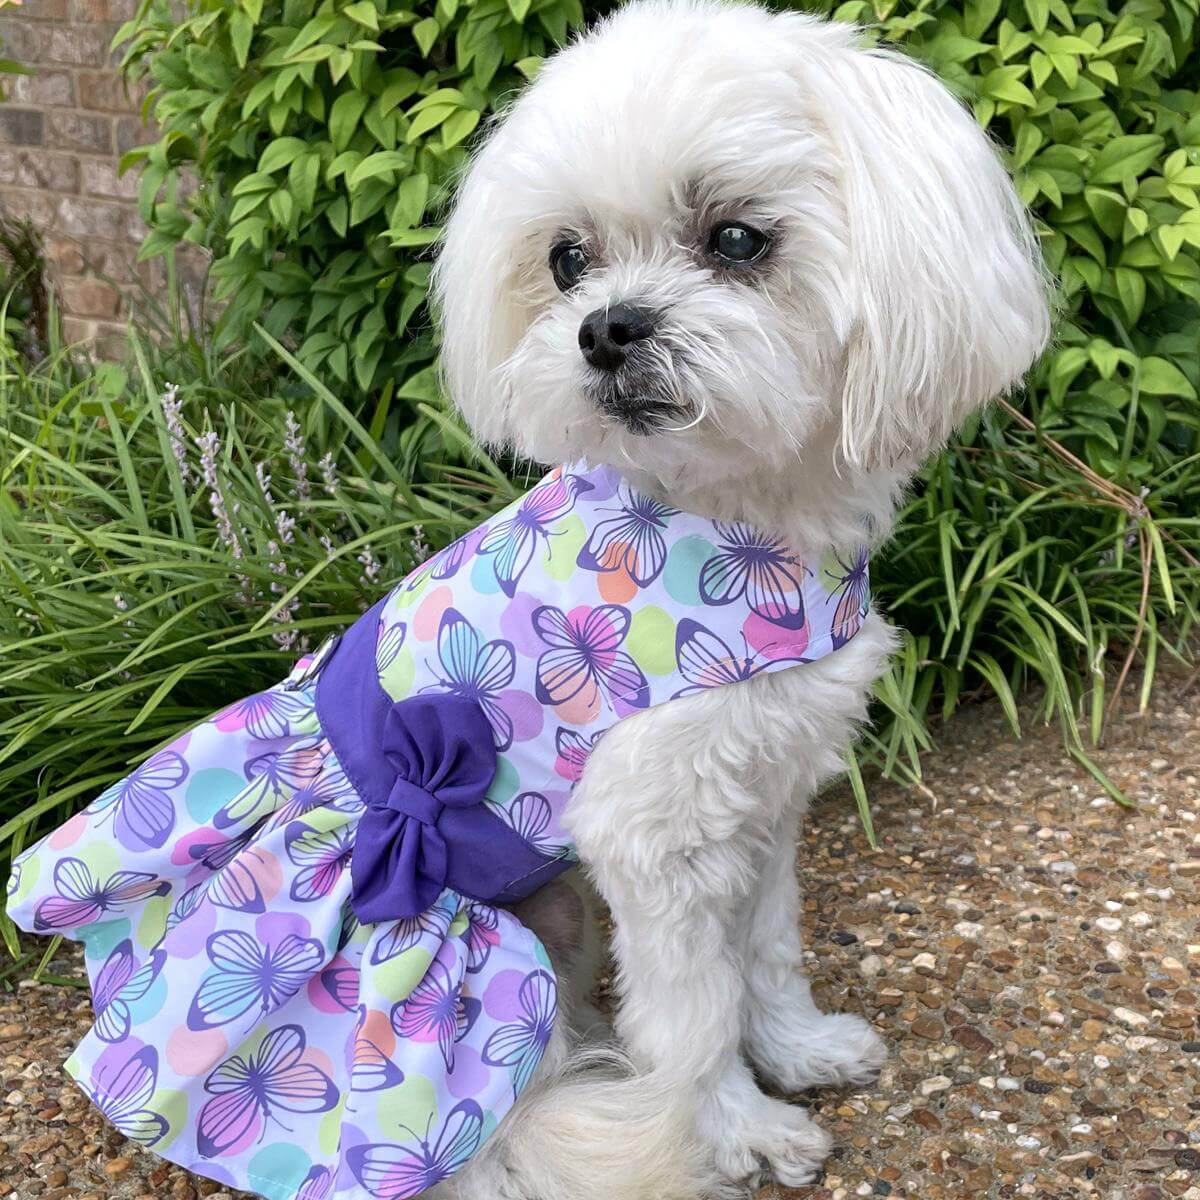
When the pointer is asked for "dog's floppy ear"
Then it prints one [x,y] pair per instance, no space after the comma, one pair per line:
[477,294]
[949,292]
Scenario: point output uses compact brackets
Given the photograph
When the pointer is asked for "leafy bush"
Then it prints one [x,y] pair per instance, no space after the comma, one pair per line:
[323,136]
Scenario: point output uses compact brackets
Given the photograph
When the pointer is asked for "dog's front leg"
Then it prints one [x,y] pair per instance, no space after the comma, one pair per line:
[791,1041]
[673,839]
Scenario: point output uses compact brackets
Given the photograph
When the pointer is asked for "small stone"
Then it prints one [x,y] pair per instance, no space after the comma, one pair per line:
[117,1166]
[843,937]
[935,1084]
[1116,952]
[57,1178]
[1108,924]
[1188,1159]
[929,1028]
[1129,1017]
[1039,1087]
[927,1119]
[1191,867]
[908,908]
[871,965]
[925,962]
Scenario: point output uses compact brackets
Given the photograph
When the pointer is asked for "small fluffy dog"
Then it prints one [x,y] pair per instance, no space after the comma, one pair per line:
[763,271]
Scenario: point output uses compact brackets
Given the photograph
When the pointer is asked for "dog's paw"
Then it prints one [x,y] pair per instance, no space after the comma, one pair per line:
[823,1050]
[770,1136]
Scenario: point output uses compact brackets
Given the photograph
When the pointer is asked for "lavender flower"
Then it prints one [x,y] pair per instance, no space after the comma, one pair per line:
[371,567]
[293,443]
[329,475]
[209,445]
[172,410]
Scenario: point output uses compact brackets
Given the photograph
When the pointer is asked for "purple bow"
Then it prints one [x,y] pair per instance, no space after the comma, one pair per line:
[444,756]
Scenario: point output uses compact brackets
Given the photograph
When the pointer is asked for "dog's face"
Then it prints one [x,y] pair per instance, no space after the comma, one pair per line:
[715,243]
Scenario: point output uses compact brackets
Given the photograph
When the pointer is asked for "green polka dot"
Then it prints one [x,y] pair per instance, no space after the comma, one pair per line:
[153,921]
[329,1132]
[397,680]
[681,575]
[31,868]
[279,1170]
[210,790]
[172,1106]
[651,640]
[459,925]
[396,978]
[565,545]
[407,1108]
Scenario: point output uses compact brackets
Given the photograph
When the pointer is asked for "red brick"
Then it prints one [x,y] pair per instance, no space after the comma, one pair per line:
[47,88]
[100,178]
[107,10]
[79,45]
[90,298]
[132,132]
[46,10]
[79,131]
[75,329]
[103,91]
[39,169]
[64,256]
[22,126]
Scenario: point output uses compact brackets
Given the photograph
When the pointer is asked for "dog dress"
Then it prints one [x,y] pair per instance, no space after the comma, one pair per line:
[305,978]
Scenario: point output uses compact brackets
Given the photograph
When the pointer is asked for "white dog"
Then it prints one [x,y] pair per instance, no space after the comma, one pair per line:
[763,271]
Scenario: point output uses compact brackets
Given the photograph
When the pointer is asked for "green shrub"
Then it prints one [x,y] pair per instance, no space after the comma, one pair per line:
[323,136]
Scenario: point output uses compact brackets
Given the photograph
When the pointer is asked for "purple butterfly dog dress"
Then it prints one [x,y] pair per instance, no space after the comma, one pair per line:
[305,978]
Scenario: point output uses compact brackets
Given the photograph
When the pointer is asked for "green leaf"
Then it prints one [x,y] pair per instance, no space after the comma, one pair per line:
[280,153]
[459,126]
[375,166]
[363,13]
[344,116]
[428,120]
[426,33]
[1125,158]
[1162,378]
[1131,288]
[411,198]
[241,33]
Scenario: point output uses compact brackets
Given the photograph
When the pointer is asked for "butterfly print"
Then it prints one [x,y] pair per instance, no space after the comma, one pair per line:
[511,544]
[247,1091]
[141,804]
[372,1071]
[761,569]
[448,562]
[405,933]
[392,1172]
[250,977]
[529,815]
[483,933]
[573,749]
[82,899]
[585,656]
[706,661]
[522,1043]
[476,670]
[14,879]
[121,982]
[341,985]
[270,714]
[316,1185]
[187,904]
[632,540]
[389,643]
[236,885]
[123,1093]
[219,854]
[853,590]
[321,857]
[271,776]
[436,1006]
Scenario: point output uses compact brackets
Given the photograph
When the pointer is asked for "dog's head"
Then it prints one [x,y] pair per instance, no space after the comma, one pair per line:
[715,243]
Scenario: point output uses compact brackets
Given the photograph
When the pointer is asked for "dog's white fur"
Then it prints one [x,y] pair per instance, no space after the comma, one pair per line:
[903,290]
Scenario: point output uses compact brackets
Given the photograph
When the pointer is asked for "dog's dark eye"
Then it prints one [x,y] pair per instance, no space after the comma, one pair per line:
[737,244]
[568,262]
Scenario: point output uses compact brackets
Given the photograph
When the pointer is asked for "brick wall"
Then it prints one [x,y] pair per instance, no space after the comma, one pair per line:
[62,132]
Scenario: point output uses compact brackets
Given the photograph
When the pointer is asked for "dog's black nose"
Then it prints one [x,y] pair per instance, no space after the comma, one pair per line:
[606,332]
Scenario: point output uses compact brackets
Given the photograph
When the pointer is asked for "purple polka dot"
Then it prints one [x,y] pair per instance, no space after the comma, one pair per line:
[526,713]
[516,624]
[469,1077]
[501,999]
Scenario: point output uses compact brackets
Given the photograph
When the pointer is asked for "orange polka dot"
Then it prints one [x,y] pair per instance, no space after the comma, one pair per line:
[617,587]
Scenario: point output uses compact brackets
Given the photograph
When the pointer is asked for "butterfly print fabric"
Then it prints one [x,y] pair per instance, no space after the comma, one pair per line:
[251,1023]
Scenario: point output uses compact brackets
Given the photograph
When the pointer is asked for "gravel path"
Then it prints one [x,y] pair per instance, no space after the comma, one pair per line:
[1030,950]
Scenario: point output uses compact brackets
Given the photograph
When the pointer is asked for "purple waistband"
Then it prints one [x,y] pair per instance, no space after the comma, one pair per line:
[468,848]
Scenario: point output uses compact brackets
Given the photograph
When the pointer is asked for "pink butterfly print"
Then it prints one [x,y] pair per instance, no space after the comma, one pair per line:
[521,1043]
[340,983]
[758,567]
[512,543]
[271,714]
[271,776]
[706,661]
[141,802]
[121,982]
[573,750]
[372,1070]
[633,539]
[236,886]
[249,976]
[391,1172]
[82,899]
[248,1091]
[405,933]
[584,654]
[123,1093]
[437,1007]
[321,857]
[316,1185]
[853,592]
[476,670]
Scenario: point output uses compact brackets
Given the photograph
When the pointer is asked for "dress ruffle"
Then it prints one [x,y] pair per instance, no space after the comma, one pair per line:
[247,1026]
